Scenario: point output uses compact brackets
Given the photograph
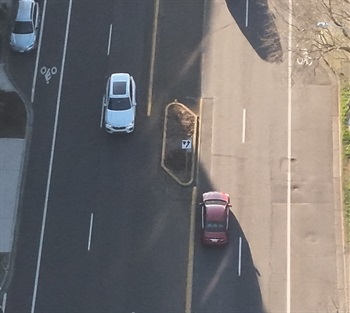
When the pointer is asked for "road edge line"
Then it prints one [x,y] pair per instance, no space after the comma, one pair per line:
[289,157]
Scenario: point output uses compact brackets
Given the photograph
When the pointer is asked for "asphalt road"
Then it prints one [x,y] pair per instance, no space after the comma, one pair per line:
[78,175]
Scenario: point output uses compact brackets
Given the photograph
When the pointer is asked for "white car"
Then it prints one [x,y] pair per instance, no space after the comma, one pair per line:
[25,27]
[119,104]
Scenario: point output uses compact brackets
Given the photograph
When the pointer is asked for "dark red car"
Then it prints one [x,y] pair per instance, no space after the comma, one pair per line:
[215,218]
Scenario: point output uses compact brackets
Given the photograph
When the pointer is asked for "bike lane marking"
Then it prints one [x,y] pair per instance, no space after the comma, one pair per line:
[48,72]
[42,232]
[38,52]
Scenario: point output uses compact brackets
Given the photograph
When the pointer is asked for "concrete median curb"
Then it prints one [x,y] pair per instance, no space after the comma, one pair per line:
[180,128]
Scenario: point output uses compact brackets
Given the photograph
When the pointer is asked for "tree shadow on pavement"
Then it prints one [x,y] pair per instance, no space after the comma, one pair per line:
[258,26]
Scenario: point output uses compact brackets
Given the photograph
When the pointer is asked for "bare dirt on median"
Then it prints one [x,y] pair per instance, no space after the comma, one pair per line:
[180,124]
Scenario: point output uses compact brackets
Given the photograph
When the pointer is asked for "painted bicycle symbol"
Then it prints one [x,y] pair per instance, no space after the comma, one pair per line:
[48,72]
[304,59]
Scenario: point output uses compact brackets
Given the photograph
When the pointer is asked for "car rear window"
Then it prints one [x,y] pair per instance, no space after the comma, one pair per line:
[23,28]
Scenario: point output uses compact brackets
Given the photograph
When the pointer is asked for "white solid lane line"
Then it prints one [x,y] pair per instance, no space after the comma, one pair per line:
[38,52]
[90,230]
[102,112]
[244,124]
[153,57]
[109,39]
[246,13]
[240,256]
[42,232]
[289,156]
[4,302]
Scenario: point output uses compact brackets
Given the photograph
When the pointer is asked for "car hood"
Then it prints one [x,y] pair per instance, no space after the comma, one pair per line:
[22,42]
[120,118]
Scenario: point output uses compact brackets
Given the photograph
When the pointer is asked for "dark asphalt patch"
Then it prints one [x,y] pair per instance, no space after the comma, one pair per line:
[12,115]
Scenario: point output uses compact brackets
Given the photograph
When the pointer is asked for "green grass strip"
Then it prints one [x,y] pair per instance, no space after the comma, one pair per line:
[345,133]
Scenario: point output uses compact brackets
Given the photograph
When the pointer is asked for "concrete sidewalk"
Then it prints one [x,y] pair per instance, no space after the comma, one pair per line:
[12,153]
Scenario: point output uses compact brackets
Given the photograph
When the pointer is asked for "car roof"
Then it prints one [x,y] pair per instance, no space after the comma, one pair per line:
[24,10]
[215,212]
[119,85]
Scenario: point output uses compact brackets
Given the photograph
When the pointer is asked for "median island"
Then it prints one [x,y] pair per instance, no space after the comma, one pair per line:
[179,142]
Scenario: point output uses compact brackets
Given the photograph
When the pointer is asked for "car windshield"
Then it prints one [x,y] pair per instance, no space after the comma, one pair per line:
[23,28]
[215,201]
[119,104]
[215,226]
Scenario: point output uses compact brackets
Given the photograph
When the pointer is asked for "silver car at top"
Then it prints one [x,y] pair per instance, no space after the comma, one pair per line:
[26,26]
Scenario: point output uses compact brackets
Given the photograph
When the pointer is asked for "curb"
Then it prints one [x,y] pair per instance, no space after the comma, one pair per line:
[194,145]
[10,86]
